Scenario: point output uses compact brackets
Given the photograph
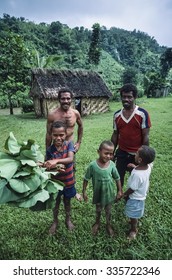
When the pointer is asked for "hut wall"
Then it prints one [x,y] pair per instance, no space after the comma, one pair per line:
[88,106]
[51,104]
[37,107]
[94,105]
[43,106]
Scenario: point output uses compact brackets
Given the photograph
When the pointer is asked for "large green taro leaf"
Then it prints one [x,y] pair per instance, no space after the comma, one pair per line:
[8,168]
[41,195]
[6,195]
[18,186]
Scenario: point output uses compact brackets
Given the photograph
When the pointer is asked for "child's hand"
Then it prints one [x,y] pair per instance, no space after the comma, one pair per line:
[125,197]
[60,167]
[131,166]
[40,164]
[119,195]
[50,164]
[79,197]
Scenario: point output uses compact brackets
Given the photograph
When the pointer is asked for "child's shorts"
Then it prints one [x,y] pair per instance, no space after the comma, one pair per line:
[134,208]
[68,192]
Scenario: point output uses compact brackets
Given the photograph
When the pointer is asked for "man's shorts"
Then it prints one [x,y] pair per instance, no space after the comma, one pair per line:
[134,208]
[68,192]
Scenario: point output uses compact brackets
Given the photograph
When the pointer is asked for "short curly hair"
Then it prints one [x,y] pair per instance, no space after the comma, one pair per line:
[65,89]
[59,124]
[129,87]
[106,143]
[147,154]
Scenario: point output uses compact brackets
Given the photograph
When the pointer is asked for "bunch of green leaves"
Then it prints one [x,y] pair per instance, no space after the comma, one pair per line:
[23,183]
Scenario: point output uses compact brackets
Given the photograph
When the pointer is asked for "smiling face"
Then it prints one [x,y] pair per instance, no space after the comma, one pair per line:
[128,100]
[65,100]
[58,136]
[106,153]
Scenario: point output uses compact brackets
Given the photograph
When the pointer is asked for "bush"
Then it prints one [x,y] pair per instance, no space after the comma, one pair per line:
[140,92]
[27,105]
[4,102]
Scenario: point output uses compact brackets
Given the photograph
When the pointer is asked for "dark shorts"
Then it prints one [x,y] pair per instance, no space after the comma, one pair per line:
[126,158]
[68,192]
[122,159]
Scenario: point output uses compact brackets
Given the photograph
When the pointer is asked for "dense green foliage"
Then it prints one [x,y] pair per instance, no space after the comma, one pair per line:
[13,73]
[134,48]
[94,49]
[24,234]
[133,55]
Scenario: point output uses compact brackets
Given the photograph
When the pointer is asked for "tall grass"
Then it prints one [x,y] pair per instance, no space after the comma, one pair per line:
[24,234]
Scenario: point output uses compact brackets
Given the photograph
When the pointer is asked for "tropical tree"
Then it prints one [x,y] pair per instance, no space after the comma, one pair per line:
[153,81]
[160,79]
[130,75]
[38,61]
[166,62]
[94,52]
[13,69]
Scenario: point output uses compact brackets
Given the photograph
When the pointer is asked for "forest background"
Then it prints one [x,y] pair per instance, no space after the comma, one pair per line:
[119,56]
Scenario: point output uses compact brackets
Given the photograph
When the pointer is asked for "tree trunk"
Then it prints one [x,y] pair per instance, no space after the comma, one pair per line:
[11,106]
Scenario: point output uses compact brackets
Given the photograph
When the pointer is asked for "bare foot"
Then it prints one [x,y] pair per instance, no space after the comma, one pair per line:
[132,235]
[53,228]
[78,196]
[110,230]
[95,229]
[70,225]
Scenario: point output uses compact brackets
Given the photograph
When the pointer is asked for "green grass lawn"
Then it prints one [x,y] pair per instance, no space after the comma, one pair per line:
[24,234]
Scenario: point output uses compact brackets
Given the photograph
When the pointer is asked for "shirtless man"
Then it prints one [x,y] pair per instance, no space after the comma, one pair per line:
[68,115]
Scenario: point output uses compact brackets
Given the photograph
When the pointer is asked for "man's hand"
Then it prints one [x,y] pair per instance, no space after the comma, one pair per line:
[77,146]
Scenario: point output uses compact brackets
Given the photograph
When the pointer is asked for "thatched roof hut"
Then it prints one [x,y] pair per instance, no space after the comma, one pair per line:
[91,94]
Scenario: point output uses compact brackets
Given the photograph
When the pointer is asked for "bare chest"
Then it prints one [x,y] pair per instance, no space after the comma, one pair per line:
[68,117]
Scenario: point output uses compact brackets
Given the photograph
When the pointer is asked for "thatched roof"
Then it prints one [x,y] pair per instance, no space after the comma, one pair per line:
[82,83]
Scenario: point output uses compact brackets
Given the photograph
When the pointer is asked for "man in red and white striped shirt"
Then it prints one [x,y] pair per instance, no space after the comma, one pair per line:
[131,127]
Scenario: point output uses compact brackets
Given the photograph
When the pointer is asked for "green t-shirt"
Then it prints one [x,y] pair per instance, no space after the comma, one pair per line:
[103,182]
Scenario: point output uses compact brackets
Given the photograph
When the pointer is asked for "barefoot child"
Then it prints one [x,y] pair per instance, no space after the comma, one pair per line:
[137,187]
[102,172]
[62,152]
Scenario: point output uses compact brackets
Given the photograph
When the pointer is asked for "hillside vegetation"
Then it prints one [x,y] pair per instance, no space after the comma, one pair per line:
[118,55]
